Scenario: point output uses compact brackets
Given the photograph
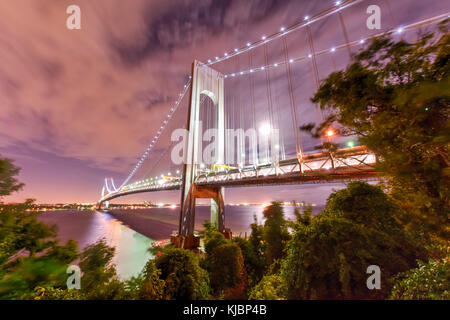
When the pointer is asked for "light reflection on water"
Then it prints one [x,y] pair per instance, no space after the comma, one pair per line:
[131,247]
[87,227]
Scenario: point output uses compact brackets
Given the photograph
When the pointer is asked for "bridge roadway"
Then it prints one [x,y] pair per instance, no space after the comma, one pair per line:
[342,165]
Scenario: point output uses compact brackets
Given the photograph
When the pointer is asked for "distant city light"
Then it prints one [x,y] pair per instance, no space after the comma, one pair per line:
[350,144]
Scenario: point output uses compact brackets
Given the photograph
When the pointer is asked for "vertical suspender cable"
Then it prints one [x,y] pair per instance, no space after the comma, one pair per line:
[238,114]
[344,30]
[394,21]
[298,147]
[315,70]
[269,97]
[252,100]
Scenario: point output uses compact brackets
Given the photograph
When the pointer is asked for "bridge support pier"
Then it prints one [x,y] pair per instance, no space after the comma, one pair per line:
[186,237]
[208,82]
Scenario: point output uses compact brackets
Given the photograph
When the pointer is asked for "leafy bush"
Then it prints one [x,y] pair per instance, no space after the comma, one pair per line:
[429,281]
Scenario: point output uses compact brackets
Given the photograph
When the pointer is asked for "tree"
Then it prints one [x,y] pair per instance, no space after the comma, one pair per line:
[99,280]
[147,285]
[184,279]
[227,270]
[395,98]
[225,264]
[20,278]
[275,232]
[253,253]
[430,281]
[32,264]
[20,230]
[327,258]
[8,182]
[271,287]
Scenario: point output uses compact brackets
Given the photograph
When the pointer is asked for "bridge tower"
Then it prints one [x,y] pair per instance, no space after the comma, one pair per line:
[209,82]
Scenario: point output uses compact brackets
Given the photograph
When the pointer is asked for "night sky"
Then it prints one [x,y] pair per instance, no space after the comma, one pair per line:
[79,105]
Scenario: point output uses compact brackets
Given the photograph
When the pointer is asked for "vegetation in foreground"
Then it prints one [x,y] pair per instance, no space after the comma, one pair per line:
[395,99]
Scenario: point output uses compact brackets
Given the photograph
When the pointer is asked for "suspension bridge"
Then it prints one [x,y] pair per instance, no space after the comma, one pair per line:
[236,121]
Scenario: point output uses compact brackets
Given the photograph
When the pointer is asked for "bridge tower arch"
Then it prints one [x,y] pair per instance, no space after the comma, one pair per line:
[210,82]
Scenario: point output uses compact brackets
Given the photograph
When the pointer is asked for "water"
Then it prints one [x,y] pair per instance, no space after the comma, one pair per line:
[86,227]
[132,232]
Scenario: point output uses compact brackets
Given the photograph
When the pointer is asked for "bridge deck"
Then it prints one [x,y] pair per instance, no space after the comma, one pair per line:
[344,165]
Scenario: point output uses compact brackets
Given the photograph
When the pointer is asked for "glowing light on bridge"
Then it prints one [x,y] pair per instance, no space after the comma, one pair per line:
[265,129]
[330,133]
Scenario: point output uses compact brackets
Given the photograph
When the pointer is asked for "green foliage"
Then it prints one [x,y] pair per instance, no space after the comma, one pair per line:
[8,182]
[271,287]
[100,280]
[213,239]
[430,281]
[20,229]
[226,267]
[395,98]
[303,218]
[22,275]
[28,273]
[225,264]
[184,279]
[148,284]
[253,253]
[52,293]
[30,257]
[328,257]
[275,232]
[364,204]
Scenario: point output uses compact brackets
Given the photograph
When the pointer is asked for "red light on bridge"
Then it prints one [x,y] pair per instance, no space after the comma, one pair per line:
[330,132]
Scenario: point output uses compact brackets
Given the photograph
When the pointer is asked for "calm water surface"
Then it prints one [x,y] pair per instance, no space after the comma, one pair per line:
[86,227]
